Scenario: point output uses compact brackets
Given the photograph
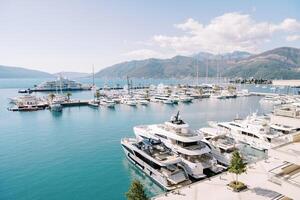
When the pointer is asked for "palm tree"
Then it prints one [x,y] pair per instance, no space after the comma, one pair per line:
[69,94]
[147,94]
[200,91]
[97,94]
[231,88]
[51,96]
[169,91]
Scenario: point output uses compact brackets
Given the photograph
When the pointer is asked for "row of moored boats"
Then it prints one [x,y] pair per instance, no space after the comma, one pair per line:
[174,155]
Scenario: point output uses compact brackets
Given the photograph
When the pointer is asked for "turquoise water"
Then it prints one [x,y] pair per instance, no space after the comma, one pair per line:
[77,154]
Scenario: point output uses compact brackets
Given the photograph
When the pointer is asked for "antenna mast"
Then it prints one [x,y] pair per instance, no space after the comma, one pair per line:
[197,65]
[93,76]
[206,71]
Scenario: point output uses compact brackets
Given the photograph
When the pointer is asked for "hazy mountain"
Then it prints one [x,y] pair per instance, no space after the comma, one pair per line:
[204,56]
[176,67]
[279,63]
[18,72]
[236,55]
[72,75]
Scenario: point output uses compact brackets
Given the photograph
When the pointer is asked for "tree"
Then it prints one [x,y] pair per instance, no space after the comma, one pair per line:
[231,88]
[69,94]
[147,94]
[51,96]
[136,191]
[97,94]
[237,165]
[200,91]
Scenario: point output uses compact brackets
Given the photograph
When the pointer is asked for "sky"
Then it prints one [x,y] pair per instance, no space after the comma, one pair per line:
[73,35]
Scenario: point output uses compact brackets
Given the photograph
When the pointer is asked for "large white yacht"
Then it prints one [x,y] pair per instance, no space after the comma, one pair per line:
[221,145]
[61,83]
[157,161]
[285,119]
[256,131]
[176,135]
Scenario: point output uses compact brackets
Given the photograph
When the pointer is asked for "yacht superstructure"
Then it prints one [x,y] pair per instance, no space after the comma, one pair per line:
[63,83]
[257,131]
[221,145]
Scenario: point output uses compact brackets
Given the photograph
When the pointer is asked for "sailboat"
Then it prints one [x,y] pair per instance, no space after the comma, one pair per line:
[56,104]
[93,102]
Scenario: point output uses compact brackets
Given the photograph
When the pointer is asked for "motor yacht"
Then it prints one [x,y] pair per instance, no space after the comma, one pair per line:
[273,100]
[185,98]
[164,99]
[157,161]
[255,131]
[130,101]
[176,135]
[63,83]
[107,102]
[221,145]
[55,104]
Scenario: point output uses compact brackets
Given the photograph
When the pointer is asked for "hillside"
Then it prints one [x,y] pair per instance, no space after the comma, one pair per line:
[236,55]
[18,72]
[279,63]
[176,67]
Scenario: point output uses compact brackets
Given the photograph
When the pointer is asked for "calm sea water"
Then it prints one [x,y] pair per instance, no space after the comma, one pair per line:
[77,154]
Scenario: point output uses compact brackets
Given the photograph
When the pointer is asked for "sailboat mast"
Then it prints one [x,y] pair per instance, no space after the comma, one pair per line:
[197,66]
[93,76]
[206,71]
[60,83]
[128,85]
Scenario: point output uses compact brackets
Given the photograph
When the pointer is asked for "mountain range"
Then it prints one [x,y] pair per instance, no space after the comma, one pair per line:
[279,63]
[18,72]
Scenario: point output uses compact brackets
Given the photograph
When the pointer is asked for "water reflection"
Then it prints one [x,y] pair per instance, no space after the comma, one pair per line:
[150,186]
[57,114]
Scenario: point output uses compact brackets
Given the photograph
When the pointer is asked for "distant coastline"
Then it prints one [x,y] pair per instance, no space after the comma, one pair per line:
[280,63]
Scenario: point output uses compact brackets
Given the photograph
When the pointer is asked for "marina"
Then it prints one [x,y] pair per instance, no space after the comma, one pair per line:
[202,151]
[59,144]
[55,92]
[150,100]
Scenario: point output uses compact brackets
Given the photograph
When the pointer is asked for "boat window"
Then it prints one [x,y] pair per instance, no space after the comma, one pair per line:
[129,150]
[244,133]
[232,124]
[149,162]
[161,136]
[187,144]
[222,150]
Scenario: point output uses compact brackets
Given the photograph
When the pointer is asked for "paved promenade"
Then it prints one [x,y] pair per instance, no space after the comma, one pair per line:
[259,187]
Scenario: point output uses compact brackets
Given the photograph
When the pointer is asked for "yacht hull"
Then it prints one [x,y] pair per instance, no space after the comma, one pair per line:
[149,171]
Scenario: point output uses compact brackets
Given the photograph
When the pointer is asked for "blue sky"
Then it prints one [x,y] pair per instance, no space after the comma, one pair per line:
[74,35]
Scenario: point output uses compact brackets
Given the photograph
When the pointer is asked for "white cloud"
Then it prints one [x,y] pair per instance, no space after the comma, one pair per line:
[291,38]
[226,33]
[288,25]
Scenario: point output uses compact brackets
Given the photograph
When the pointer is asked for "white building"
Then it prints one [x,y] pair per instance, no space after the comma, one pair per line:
[286,176]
